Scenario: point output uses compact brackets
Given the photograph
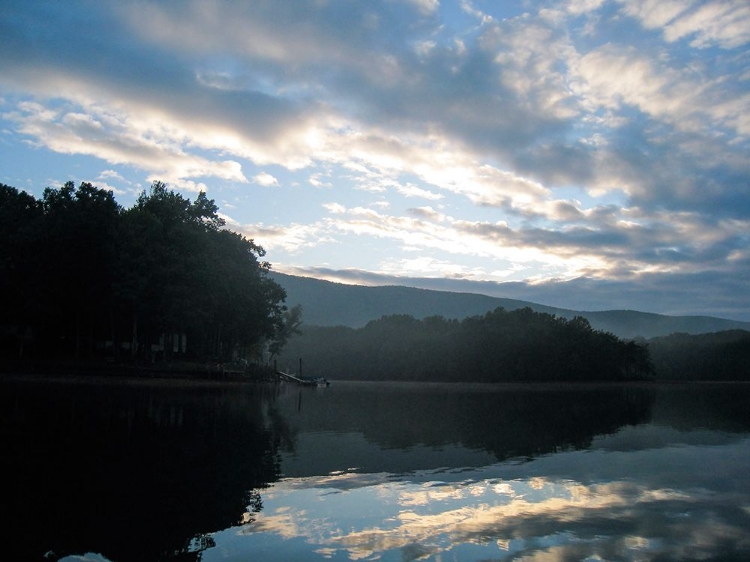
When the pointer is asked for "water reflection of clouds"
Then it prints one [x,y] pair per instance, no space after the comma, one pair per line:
[540,517]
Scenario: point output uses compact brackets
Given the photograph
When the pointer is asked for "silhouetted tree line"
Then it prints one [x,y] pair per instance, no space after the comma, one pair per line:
[519,345]
[718,356]
[83,277]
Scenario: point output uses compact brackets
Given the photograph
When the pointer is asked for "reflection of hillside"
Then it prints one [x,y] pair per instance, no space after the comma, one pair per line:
[131,472]
[720,406]
[506,422]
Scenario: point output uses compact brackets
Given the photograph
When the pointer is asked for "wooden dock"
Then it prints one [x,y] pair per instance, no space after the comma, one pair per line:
[302,381]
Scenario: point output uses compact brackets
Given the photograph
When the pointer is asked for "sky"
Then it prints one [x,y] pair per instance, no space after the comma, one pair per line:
[589,154]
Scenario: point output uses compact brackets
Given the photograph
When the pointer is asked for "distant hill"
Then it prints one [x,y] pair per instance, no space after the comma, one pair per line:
[325,303]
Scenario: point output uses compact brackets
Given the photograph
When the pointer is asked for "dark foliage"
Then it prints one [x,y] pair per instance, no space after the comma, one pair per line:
[86,278]
[718,356]
[501,346]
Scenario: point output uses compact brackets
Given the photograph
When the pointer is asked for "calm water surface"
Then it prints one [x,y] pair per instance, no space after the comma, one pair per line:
[361,471]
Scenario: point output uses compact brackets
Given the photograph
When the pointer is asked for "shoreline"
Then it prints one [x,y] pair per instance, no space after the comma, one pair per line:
[104,379]
[108,372]
[193,379]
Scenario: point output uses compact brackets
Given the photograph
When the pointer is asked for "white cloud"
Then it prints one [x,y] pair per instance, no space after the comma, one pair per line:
[427,7]
[655,13]
[292,238]
[612,77]
[266,180]
[725,23]
[111,174]
[116,139]
[578,7]
[469,7]
[334,208]
[427,213]
[411,190]
[318,180]
[495,118]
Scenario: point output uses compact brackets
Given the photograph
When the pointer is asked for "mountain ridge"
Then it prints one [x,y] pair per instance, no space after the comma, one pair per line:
[327,303]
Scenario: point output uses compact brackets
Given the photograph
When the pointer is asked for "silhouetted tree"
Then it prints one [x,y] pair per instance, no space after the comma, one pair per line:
[290,326]
[20,217]
[86,272]
[76,258]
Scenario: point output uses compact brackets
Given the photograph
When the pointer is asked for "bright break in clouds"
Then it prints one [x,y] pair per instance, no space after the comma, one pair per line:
[587,154]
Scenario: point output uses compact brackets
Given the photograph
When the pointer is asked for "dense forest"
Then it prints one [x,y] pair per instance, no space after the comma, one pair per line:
[84,278]
[512,346]
[722,356]
[499,346]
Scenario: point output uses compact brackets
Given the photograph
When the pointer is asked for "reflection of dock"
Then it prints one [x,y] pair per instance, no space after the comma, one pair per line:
[302,381]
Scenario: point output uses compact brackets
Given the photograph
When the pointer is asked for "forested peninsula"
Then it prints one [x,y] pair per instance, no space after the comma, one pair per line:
[499,346]
[519,345]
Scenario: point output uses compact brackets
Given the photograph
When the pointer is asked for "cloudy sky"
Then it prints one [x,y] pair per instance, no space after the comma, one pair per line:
[590,154]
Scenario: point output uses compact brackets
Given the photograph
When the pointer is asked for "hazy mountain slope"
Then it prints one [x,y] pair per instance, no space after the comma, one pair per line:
[630,323]
[332,304]
[329,304]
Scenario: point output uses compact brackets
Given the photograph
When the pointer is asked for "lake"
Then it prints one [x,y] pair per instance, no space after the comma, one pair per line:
[134,472]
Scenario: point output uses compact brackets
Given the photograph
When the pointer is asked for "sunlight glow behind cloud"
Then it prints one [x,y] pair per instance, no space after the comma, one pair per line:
[599,141]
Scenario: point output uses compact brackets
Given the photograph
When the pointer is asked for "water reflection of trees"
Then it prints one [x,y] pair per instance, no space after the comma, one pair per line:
[133,473]
[516,422]
[720,406]
[148,473]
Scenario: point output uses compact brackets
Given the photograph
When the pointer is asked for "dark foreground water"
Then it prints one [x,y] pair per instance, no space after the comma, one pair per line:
[364,471]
